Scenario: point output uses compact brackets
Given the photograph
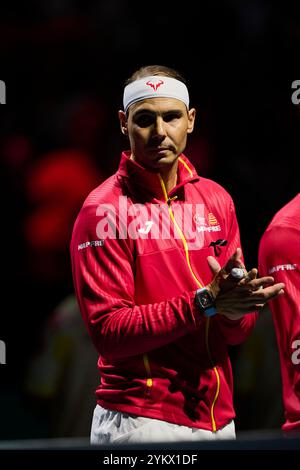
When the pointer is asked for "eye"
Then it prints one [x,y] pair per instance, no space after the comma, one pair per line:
[144,120]
[172,116]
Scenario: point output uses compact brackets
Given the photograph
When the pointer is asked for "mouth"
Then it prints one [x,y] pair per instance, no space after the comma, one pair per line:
[159,150]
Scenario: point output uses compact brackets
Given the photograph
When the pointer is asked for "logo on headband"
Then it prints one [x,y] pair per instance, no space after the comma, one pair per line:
[155,84]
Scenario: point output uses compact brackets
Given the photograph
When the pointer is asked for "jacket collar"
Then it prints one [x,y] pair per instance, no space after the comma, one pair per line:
[147,182]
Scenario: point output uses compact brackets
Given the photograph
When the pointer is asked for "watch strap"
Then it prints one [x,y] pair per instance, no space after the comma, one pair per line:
[210,311]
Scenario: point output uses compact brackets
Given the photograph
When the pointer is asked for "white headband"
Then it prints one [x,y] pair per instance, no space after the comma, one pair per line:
[155,86]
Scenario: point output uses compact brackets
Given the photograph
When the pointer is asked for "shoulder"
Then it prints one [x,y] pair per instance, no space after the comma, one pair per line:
[211,185]
[107,191]
[279,234]
[106,194]
[280,242]
[104,197]
[214,192]
[286,220]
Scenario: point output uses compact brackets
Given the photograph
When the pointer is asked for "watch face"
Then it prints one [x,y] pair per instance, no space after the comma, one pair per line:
[205,299]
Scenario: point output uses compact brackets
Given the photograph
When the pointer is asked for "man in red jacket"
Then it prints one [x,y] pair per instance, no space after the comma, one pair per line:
[279,256]
[158,306]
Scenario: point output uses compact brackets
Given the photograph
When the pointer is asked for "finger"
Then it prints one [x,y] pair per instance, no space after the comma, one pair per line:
[235,261]
[277,289]
[261,282]
[236,275]
[252,274]
[241,274]
[237,256]
[264,295]
[213,264]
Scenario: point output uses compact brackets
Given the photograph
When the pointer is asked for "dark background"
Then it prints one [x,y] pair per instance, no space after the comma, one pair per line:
[64,64]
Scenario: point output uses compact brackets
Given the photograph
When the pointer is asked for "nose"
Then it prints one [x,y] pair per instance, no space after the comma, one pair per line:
[159,127]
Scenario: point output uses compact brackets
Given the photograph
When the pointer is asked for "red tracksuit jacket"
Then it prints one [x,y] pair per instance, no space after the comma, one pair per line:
[279,256]
[138,255]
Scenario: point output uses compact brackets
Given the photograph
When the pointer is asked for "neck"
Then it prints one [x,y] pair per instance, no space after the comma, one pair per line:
[169,176]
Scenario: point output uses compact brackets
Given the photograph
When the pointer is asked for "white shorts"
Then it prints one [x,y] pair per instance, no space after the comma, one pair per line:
[114,427]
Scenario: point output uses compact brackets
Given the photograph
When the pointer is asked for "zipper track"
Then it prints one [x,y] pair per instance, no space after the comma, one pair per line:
[186,249]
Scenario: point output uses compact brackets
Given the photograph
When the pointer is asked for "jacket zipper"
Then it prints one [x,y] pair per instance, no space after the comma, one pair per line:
[186,249]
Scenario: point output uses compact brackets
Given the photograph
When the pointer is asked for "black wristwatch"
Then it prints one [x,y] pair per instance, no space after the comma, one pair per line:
[206,302]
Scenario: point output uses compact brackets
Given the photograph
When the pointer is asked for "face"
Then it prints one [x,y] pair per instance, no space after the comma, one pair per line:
[157,129]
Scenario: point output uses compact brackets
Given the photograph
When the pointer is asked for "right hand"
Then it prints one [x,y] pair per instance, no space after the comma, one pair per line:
[234,298]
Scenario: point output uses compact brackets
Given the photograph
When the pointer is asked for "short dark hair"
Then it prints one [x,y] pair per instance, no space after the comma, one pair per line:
[147,70]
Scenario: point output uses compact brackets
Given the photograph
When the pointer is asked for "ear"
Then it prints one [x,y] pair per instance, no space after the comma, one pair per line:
[191,120]
[123,122]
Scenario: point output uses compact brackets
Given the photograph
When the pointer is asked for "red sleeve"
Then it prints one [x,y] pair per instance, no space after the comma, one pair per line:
[104,285]
[237,331]
[279,256]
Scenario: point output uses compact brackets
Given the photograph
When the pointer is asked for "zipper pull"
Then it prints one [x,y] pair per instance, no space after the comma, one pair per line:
[170,199]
